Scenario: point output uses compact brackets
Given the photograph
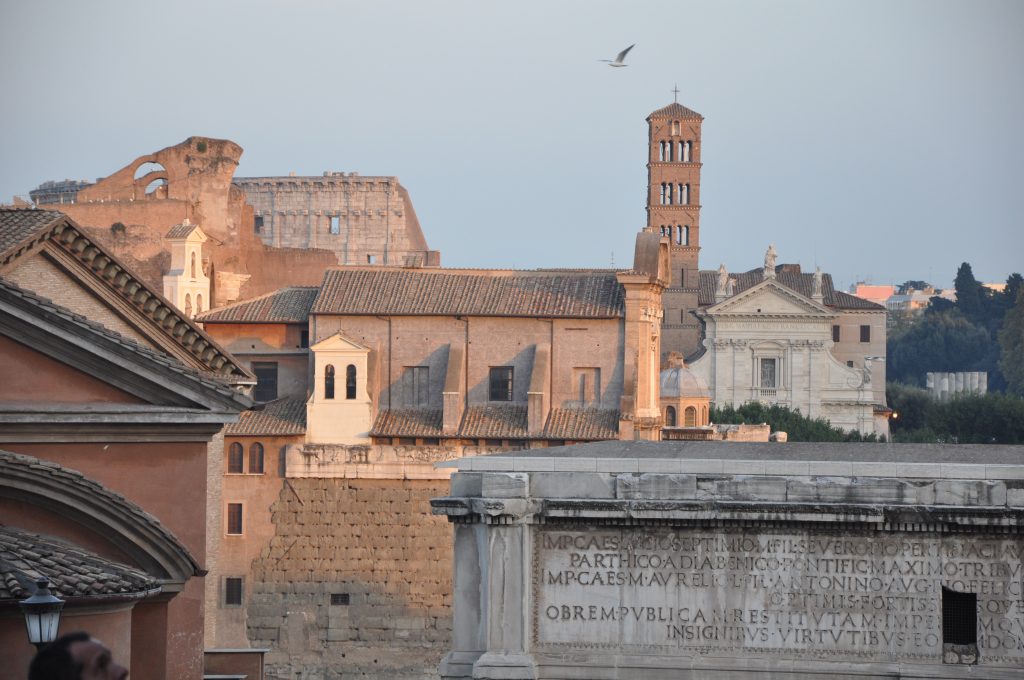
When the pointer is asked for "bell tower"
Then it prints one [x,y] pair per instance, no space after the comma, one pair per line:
[673,211]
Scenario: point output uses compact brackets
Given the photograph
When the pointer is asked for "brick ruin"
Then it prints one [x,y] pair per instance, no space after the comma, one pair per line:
[131,210]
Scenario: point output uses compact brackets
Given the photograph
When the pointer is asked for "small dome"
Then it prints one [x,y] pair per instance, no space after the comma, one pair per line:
[680,381]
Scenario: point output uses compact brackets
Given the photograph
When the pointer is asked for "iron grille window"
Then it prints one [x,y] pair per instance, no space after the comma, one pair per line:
[233,591]
[501,383]
[835,333]
[340,599]
[235,519]
[235,458]
[256,459]
[865,333]
[266,380]
[959,617]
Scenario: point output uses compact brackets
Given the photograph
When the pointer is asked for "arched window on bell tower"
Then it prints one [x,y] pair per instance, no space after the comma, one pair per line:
[192,268]
[675,128]
[685,151]
[661,152]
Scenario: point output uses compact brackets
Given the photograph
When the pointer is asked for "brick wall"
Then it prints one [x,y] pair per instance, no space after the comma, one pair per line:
[374,541]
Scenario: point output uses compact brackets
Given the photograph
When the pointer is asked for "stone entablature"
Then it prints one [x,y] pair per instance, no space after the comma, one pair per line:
[642,560]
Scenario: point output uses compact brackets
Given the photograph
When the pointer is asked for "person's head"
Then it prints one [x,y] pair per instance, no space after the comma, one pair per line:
[75,656]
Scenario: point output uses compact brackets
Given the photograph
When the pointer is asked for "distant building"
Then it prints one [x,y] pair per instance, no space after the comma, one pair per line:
[58,192]
[877,294]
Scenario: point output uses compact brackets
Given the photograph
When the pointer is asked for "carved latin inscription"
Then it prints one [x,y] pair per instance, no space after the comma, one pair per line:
[806,594]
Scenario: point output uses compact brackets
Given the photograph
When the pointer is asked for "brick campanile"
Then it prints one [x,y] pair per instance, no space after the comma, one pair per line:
[673,210]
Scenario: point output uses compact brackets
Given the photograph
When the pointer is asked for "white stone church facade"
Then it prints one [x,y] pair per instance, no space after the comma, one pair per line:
[789,338]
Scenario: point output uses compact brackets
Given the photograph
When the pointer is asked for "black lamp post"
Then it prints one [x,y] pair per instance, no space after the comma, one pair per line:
[42,614]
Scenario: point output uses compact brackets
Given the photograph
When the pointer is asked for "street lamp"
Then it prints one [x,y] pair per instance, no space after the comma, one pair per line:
[42,614]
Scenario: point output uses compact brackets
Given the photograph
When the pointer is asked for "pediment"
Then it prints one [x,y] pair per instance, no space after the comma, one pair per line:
[339,343]
[770,298]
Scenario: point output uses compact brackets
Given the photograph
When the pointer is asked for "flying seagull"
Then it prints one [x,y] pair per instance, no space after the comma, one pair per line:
[618,60]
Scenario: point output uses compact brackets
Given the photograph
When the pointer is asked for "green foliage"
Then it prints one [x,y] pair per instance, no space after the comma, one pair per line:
[913,284]
[968,292]
[967,419]
[798,427]
[118,229]
[1011,343]
[201,146]
[938,341]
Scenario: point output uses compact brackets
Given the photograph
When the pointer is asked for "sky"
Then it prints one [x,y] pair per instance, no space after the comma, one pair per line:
[881,140]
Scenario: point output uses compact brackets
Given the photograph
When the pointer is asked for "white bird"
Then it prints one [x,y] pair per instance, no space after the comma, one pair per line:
[617,63]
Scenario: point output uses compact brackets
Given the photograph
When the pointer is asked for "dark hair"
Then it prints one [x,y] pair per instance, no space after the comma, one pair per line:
[54,662]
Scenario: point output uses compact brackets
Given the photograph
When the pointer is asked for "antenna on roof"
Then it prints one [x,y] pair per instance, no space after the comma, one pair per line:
[613,259]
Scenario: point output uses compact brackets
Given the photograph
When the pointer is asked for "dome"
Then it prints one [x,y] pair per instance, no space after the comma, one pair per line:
[680,381]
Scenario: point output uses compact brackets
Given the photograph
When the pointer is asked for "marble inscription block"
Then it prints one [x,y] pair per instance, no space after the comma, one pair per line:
[858,595]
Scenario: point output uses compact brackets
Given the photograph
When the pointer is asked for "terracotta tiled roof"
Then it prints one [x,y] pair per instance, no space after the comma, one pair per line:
[19,229]
[73,571]
[287,305]
[278,418]
[494,422]
[582,424]
[802,283]
[17,466]
[86,329]
[675,110]
[420,292]
[181,231]
[19,225]
[408,423]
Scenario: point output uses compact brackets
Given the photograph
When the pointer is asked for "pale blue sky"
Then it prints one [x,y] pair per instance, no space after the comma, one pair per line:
[883,140]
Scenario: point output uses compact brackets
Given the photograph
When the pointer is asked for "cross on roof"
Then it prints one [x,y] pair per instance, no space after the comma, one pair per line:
[675,93]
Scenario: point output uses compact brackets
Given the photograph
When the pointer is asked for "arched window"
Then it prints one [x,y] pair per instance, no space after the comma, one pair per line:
[679,236]
[329,382]
[192,268]
[235,454]
[661,151]
[704,415]
[188,305]
[670,416]
[256,459]
[686,195]
[675,127]
[199,303]
[684,236]
[350,382]
[690,417]
[685,151]
[669,149]
[663,193]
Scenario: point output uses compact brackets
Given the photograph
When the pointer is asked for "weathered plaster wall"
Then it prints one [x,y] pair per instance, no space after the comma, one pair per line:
[373,540]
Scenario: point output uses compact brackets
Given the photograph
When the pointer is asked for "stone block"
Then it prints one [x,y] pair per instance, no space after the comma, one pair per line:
[572,485]
[655,486]
[505,485]
[969,492]
[466,484]
[771,489]
[1015,498]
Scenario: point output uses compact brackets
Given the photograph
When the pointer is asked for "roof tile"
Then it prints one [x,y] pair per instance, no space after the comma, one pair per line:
[425,293]
[802,283]
[582,424]
[675,110]
[408,423]
[287,305]
[278,418]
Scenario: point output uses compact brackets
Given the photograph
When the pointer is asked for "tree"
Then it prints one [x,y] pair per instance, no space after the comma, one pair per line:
[943,341]
[1011,344]
[798,427]
[1014,284]
[968,293]
[913,284]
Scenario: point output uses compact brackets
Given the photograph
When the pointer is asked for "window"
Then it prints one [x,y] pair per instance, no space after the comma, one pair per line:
[850,364]
[416,385]
[675,128]
[661,151]
[329,382]
[266,380]
[304,338]
[192,267]
[256,459]
[199,303]
[588,385]
[959,617]
[235,519]
[371,259]
[335,224]
[350,382]
[340,599]
[257,224]
[188,305]
[670,416]
[235,455]
[690,417]
[685,149]
[769,375]
[501,383]
[233,591]
[865,333]
[835,333]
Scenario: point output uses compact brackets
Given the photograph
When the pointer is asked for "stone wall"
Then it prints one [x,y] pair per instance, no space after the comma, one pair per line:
[373,547]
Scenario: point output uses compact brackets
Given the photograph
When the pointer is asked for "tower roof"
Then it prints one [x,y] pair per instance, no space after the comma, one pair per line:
[675,110]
